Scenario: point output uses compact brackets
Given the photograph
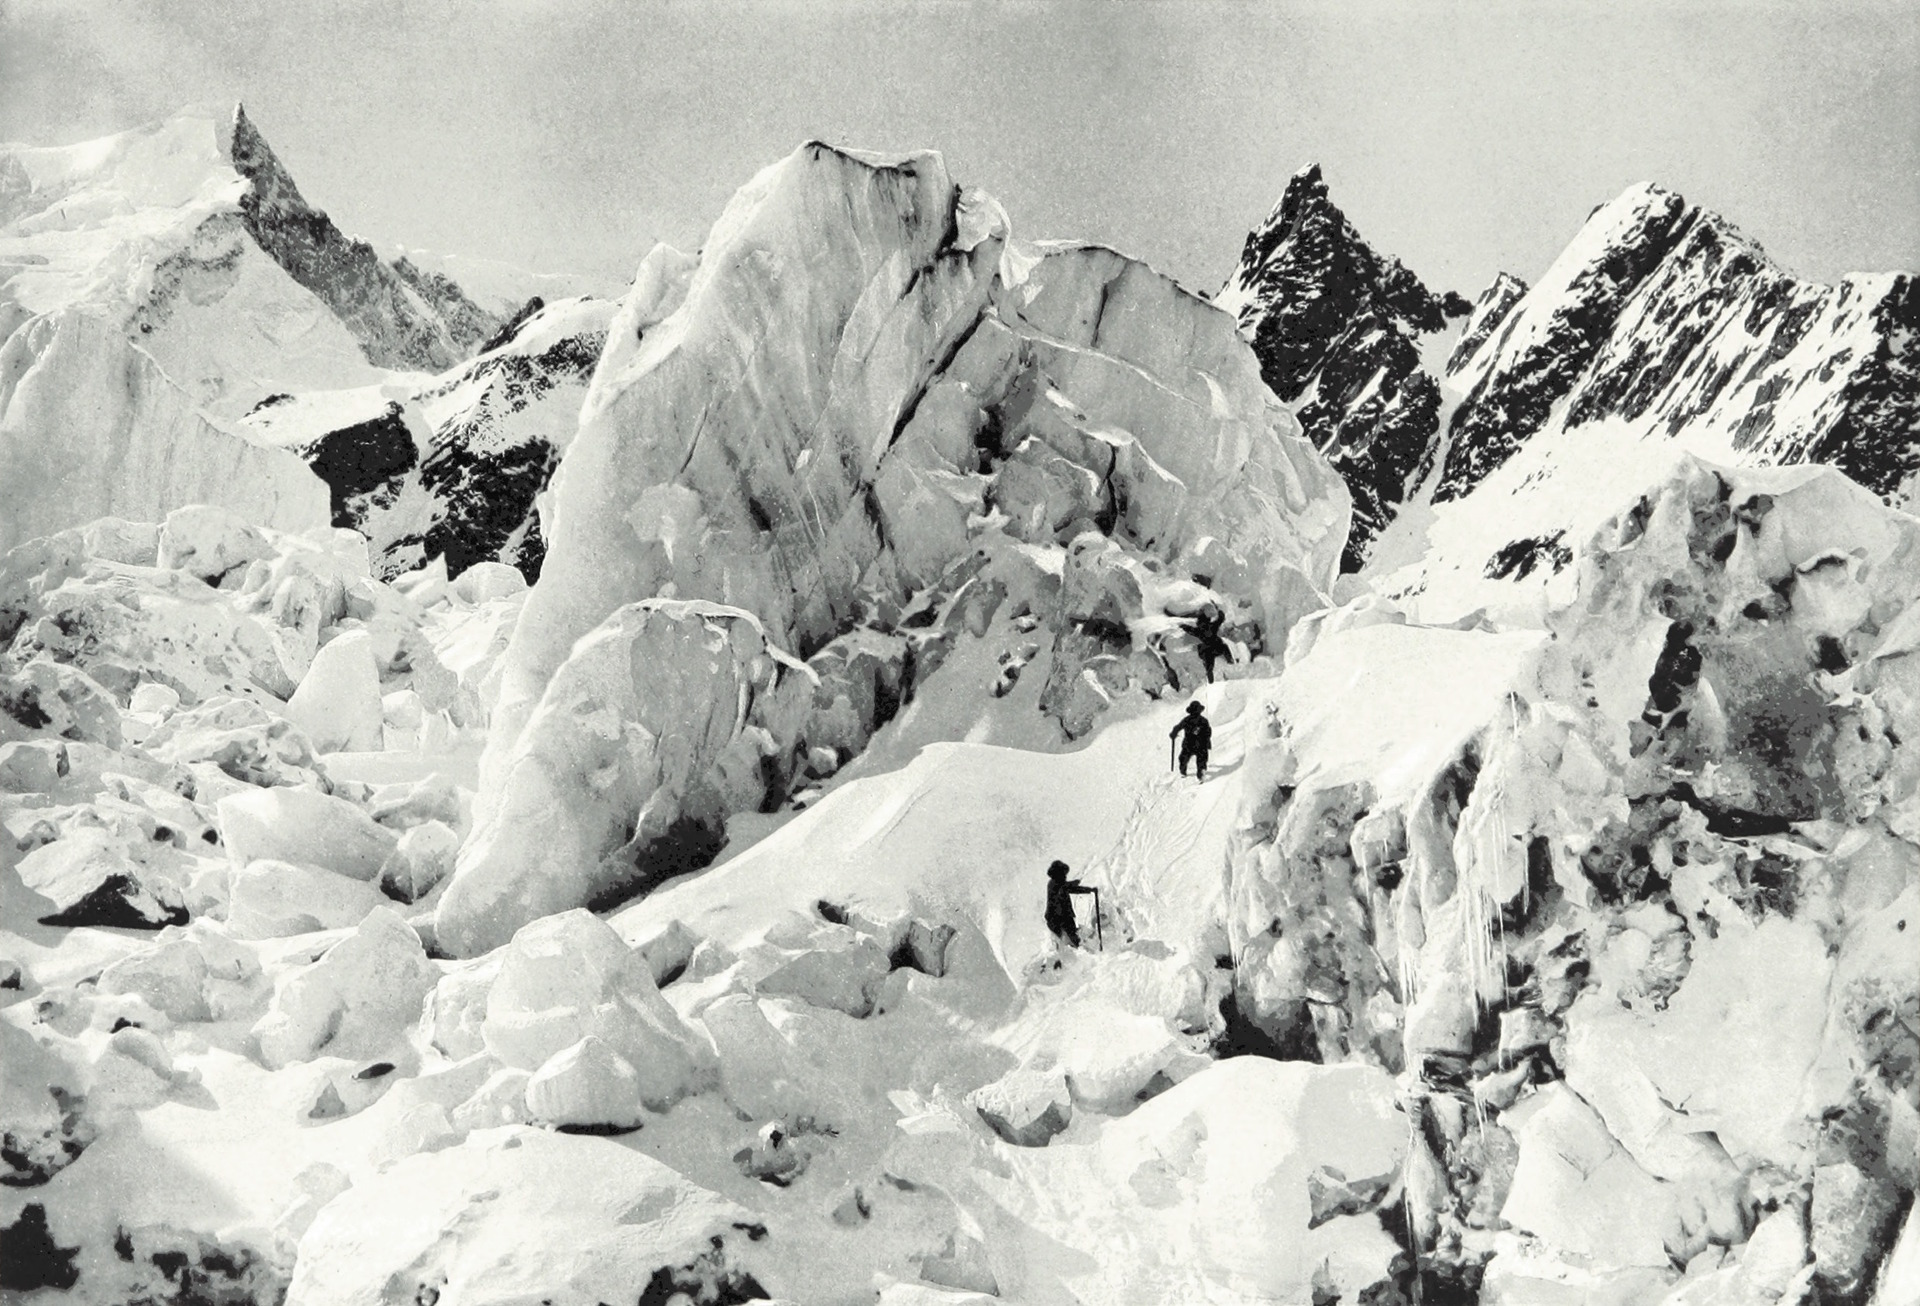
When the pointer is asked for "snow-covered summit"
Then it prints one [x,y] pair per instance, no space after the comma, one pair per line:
[1661,315]
[1338,330]
[257,347]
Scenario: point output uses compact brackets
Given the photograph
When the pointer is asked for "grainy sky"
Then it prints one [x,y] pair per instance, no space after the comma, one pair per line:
[1464,138]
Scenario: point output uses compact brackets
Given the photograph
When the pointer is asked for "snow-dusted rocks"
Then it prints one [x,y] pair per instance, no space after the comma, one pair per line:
[516,1215]
[451,466]
[1338,330]
[107,877]
[1663,318]
[41,1120]
[32,766]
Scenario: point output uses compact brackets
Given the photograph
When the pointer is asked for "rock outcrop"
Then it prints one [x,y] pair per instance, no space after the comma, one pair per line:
[454,466]
[1337,328]
[403,318]
[1662,318]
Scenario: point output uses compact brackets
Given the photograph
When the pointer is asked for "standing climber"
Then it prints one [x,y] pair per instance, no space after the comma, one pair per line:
[1195,734]
[1060,903]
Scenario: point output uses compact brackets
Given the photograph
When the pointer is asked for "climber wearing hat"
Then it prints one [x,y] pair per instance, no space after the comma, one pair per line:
[1195,733]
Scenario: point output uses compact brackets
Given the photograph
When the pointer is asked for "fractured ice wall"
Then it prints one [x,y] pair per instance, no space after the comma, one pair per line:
[864,390]
[1619,894]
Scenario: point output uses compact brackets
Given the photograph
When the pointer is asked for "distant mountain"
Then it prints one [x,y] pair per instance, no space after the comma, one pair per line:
[402,316]
[1337,328]
[1663,318]
[451,466]
[1659,317]
[245,346]
[140,316]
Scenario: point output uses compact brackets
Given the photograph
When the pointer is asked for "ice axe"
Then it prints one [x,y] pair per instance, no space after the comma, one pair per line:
[1098,934]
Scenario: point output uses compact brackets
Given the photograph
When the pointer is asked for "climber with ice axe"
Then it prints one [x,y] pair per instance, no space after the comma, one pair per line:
[1060,921]
[1195,734]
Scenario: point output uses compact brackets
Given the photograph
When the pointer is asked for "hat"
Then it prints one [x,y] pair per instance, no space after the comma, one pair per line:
[1193,709]
[1058,868]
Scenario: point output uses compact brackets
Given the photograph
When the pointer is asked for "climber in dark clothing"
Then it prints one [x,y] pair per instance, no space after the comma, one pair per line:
[1060,903]
[1195,733]
[1205,629]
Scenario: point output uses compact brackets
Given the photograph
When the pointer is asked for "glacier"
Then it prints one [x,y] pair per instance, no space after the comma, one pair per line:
[507,800]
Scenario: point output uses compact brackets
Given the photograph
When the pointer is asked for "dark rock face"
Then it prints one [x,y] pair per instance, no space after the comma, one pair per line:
[1662,316]
[493,457]
[1336,324]
[30,1258]
[364,465]
[1489,311]
[403,318]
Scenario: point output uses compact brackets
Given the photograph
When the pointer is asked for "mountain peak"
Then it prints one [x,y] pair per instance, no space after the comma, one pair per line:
[1308,181]
[1662,317]
[273,187]
[1335,325]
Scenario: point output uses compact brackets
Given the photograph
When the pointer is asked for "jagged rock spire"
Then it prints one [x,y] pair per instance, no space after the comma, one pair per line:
[1335,325]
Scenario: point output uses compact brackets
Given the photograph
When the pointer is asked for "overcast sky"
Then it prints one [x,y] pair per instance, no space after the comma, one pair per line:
[1463,138]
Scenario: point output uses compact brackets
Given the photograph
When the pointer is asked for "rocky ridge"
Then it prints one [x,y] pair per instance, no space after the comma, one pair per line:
[452,467]
[1337,328]
[403,317]
[1662,317]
